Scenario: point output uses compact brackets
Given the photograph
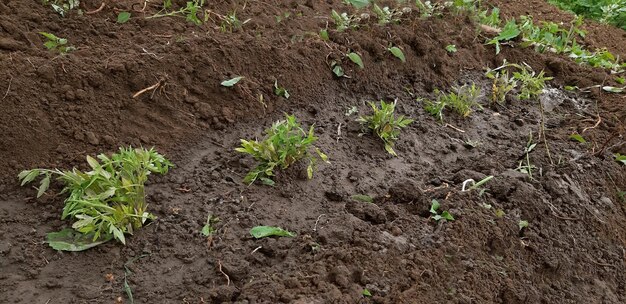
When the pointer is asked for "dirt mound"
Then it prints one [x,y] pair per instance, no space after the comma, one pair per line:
[56,109]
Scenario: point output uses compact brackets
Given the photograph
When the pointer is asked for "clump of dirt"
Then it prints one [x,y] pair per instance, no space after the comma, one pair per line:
[57,109]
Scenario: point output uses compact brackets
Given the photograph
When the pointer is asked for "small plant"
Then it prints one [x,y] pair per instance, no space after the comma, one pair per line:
[620,158]
[502,84]
[527,167]
[231,82]
[429,9]
[385,15]
[364,198]
[123,17]
[397,52]
[344,21]
[208,229]
[109,200]
[354,57]
[259,232]
[461,100]
[366,293]
[492,19]
[532,85]
[190,11]
[384,123]
[434,207]
[231,23]
[62,7]
[280,91]
[451,48]
[510,31]
[55,43]
[284,144]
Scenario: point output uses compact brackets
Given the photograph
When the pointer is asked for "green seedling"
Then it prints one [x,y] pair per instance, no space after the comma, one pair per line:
[366,293]
[352,110]
[510,31]
[280,91]
[62,7]
[492,19]
[578,138]
[324,35]
[337,69]
[397,52]
[451,48]
[363,198]
[620,80]
[208,229]
[528,167]
[282,17]
[461,100]
[357,3]
[531,84]
[231,82]
[620,158]
[190,11]
[123,17]
[434,207]
[231,22]
[259,232]
[475,185]
[522,224]
[55,43]
[428,9]
[354,57]
[386,15]
[284,144]
[384,123]
[109,200]
[502,84]
[344,21]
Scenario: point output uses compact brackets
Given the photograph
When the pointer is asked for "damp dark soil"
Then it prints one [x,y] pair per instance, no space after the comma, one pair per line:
[55,110]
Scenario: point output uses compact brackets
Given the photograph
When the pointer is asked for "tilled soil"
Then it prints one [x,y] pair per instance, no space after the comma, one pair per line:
[56,109]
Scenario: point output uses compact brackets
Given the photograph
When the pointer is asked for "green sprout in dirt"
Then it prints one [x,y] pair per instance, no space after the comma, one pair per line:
[109,200]
[434,207]
[492,19]
[344,21]
[190,11]
[55,43]
[531,84]
[280,91]
[451,48]
[384,123]
[284,144]
[461,100]
[429,8]
[525,166]
[231,22]
[620,158]
[502,84]
[510,31]
[386,15]
[208,229]
[62,7]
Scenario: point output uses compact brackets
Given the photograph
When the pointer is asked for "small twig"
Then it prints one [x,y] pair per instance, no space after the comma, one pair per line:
[152,87]
[455,128]
[8,88]
[219,263]
[594,126]
[317,221]
[97,10]
[338,132]
[256,249]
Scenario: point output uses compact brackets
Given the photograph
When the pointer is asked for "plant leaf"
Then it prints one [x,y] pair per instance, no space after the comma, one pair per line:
[123,17]
[396,51]
[613,89]
[265,231]
[434,206]
[367,293]
[359,3]
[523,224]
[354,57]
[71,240]
[338,70]
[231,82]
[363,198]
[578,138]
[620,158]
[45,183]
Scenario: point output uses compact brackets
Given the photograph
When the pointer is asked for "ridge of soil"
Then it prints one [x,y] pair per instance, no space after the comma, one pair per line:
[57,109]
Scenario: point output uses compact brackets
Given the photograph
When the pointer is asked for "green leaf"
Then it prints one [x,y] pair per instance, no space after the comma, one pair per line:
[434,206]
[123,17]
[354,57]
[446,215]
[620,80]
[367,293]
[266,231]
[93,163]
[620,158]
[32,174]
[266,181]
[578,138]
[613,89]
[338,70]
[45,183]
[451,48]
[309,171]
[71,240]
[522,224]
[231,82]
[358,3]
[509,31]
[324,35]
[396,51]
[118,234]
[363,198]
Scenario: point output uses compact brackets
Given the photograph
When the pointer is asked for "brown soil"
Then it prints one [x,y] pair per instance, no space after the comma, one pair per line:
[57,109]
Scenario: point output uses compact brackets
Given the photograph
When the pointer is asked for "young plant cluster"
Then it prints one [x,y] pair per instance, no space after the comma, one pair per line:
[62,7]
[57,44]
[607,11]
[284,144]
[384,124]
[462,100]
[531,84]
[108,200]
